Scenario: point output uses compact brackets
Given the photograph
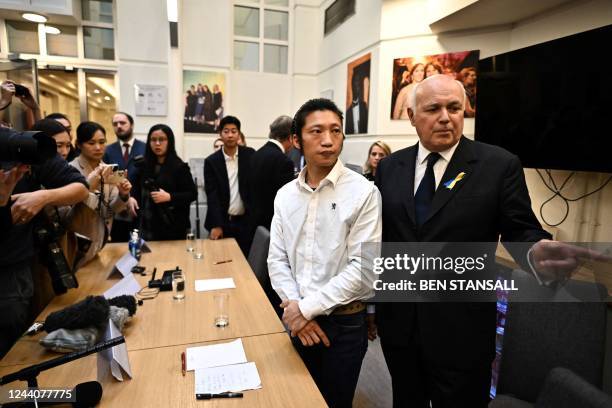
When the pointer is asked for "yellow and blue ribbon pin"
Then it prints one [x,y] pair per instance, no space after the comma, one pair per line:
[451,183]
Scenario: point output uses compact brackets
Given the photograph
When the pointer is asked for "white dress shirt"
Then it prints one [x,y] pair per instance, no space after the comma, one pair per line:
[315,252]
[236,206]
[439,168]
[129,142]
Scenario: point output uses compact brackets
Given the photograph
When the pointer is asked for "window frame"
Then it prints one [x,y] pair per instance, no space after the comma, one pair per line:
[261,41]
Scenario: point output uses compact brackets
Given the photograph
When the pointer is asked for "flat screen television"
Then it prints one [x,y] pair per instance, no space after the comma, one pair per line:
[551,103]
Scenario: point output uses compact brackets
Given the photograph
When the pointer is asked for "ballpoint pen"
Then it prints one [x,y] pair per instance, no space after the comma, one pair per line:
[222,262]
[221,395]
[183,364]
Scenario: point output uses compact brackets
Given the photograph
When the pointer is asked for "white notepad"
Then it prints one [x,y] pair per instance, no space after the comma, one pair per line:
[215,355]
[236,378]
[203,285]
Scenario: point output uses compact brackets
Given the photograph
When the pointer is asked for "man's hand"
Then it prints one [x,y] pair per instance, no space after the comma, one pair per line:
[27,205]
[554,260]
[216,233]
[8,181]
[160,196]
[7,91]
[313,334]
[132,206]
[293,317]
[372,328]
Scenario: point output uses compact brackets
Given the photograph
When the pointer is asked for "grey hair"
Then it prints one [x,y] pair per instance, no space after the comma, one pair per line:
[412,96]
[280,129]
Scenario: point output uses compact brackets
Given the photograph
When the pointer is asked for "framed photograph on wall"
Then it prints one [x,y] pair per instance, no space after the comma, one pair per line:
[204,94]
[409,71]
[357,96]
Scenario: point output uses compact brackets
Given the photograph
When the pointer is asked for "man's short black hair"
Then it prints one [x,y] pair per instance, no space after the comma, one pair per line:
[57,115]
[128,116]
[313,105]
[229,120]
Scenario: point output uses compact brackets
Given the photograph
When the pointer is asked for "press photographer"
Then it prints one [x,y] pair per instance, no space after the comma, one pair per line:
[32,176]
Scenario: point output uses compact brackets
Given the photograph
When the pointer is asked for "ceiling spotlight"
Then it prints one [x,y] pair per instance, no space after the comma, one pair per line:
[52,30]
[107,98]
[96,91]
[35,18]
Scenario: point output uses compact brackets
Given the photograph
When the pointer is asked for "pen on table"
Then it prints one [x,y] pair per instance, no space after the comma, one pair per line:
[222,262]
[222,395]
[183,368]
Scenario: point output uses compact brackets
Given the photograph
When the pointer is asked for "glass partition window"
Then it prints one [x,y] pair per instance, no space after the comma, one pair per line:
[99,43]
[261,35]
[101,101]
[61,40]
[99,11]
[22,37]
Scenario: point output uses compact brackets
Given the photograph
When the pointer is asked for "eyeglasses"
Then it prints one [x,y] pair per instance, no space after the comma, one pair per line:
[160,140]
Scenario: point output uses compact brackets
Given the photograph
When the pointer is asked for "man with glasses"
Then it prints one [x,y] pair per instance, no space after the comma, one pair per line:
[122,153]
[226,185]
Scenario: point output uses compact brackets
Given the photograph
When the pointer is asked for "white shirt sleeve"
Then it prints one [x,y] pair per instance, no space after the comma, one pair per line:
[355,281]
[279,269]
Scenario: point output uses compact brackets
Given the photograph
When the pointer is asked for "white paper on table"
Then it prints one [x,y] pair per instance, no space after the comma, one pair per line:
[203,285]
[126,286]
[114,359]
[215,355]
[125,264]
[235,378]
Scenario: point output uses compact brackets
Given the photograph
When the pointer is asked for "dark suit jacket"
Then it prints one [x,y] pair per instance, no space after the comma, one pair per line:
[363,119]
[174,177]
[114,155]
[270,170]
[490,201]
[216,185]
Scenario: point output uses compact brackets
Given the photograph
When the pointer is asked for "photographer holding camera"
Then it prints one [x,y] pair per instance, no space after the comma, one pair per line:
[33,175]
[108,191]
[8,89]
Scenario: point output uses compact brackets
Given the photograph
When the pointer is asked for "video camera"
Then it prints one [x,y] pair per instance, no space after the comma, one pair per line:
[25,147]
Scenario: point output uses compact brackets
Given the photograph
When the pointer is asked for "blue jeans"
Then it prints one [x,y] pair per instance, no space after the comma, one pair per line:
[335,369]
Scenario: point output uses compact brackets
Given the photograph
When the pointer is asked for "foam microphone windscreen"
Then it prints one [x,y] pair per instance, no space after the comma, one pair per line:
[91,311]
[125,301]
[88,394]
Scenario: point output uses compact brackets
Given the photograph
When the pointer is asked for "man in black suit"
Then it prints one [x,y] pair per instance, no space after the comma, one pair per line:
[122,153]
[357,111]
[227,189]
[270,170]
[442,352]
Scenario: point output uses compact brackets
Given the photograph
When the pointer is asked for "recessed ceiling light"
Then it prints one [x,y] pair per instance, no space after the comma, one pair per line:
[35,18]
[52,30]
[96,91]
[107,98]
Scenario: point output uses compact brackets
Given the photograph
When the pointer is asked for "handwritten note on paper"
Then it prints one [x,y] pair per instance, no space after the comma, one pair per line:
[238,377]
[203,285]
[215,355]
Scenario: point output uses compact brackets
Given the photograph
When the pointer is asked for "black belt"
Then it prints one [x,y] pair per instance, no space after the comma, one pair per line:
[234,217]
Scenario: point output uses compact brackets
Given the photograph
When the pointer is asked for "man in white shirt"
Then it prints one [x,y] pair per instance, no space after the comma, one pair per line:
[316,262]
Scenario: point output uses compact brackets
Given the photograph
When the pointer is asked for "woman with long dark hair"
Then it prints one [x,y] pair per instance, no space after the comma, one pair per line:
[165,189]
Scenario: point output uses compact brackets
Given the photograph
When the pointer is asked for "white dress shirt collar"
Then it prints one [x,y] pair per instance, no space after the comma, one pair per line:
[332,177]
[447,154]
[130,142]
[279,144]
[227,157]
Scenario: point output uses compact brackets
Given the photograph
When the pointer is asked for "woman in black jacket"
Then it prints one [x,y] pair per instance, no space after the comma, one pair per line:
[165,190]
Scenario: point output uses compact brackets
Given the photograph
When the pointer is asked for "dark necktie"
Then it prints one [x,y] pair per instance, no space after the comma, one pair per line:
[424,194]
[126,153]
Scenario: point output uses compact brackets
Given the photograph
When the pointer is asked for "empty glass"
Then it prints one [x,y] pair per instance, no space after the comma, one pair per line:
[199,249]
[178,285]
[190,242]
[221,309]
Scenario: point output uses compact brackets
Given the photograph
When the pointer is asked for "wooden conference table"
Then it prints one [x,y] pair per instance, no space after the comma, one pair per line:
[162,328]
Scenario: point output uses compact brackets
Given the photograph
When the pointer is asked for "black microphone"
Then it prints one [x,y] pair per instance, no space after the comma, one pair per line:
[30,373]
[87,394]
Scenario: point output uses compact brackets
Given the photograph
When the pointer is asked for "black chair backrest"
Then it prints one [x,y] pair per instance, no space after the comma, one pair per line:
[258,255]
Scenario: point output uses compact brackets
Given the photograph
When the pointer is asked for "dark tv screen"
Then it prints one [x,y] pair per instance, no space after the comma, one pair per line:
[551,103]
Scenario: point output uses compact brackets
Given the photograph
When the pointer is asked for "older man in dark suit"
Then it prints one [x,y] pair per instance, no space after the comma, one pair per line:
[227,190]
[442,352]
[270,170]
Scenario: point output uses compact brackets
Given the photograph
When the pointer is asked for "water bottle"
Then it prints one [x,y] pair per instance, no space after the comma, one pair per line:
[135,244]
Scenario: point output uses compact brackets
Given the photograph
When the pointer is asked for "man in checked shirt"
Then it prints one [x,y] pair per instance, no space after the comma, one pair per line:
[316,262]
